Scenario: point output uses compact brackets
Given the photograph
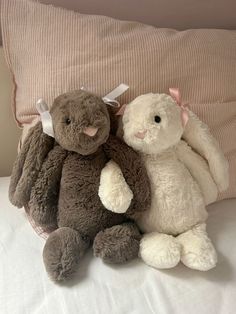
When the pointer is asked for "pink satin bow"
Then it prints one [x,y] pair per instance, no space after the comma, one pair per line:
[175,94]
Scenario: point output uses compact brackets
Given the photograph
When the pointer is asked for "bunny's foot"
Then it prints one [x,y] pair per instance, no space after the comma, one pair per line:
[198,251]
[160,250]
[62,252]
[118,244]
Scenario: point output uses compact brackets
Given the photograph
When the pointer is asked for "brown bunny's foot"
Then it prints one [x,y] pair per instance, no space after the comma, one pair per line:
[62,252]
[117,244]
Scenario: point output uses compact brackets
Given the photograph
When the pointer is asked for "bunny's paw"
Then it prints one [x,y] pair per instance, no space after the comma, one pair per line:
[114,192]
[159,250]
[198,251]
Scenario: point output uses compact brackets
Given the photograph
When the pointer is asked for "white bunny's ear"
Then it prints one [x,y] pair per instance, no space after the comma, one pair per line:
[198,136]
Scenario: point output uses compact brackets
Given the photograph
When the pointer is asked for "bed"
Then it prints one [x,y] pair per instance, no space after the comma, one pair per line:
[108,289]
[99,288]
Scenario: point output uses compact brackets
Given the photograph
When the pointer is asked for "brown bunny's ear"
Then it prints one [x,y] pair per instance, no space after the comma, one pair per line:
[28,164]
[120,129]
[134,172]
[45,192]
[113,118]
[116,118]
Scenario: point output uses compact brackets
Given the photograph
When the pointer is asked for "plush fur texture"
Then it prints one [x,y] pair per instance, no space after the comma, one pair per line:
[198,136]
[200,171]
[43,202]
[177,202]
[197,251]
[113,189]
[28,164]
[182,182]
[106,244]
[69,122]
[65,192]
[134,172]
[160,250]
[62,252]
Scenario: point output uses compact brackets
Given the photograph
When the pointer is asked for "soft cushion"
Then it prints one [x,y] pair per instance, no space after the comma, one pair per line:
[52,50]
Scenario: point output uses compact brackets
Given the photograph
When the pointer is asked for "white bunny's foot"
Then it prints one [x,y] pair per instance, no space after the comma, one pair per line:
[160,250]
[198,251]
[114,192]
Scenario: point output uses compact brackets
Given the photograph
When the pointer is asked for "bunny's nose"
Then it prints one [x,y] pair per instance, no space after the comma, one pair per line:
[90,131]
[141,134]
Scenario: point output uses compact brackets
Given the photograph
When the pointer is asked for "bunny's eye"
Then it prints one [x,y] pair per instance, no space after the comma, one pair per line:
[157,119]
[68,121]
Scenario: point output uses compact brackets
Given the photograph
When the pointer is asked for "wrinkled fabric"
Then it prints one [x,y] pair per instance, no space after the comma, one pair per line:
[99,288]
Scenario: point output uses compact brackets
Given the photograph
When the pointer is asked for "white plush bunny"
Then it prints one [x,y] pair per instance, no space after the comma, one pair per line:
[186,169]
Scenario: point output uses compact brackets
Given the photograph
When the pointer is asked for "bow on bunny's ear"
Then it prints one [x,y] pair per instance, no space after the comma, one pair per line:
[198,136]
[175,94]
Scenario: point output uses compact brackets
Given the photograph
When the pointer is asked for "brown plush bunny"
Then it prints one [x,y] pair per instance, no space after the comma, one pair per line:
[59,180]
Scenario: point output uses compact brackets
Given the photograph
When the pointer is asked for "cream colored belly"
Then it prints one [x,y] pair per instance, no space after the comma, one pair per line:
[177,202]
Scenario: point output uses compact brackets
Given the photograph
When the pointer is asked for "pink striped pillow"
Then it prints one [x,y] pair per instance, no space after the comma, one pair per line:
[51,50]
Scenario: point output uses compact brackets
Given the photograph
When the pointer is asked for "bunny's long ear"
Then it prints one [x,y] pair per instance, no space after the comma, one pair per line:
[198,136]
[28,164]
[45,192]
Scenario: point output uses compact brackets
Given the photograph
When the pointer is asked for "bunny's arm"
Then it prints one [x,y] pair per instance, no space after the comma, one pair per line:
[199,169]
[198,136]
[134,173]
[114,192]
[45,193]
[27,165]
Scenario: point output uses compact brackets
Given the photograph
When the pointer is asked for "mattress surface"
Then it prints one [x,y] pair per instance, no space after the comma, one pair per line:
[98,288]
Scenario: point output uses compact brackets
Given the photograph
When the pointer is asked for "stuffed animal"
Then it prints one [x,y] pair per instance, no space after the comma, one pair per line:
[186,168]
[58,180]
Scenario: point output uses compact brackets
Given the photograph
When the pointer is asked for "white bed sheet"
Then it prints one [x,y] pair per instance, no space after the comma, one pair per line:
[99,288]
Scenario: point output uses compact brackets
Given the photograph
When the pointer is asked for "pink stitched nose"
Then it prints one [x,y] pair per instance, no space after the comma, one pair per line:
[90,131]
[141,134]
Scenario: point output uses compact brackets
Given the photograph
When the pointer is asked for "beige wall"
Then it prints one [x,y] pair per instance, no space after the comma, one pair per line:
[179,14]
[9,133]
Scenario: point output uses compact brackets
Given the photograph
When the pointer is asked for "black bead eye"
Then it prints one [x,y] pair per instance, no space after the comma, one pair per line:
[157,119]
[68,121]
